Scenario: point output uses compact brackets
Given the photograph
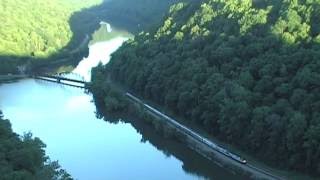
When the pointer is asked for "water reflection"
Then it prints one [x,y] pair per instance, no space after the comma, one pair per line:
[105,41]
[192,162]
[89,148]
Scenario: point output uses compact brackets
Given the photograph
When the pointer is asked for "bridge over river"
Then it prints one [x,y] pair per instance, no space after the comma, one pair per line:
[68,81]
[219,151]
[62,80]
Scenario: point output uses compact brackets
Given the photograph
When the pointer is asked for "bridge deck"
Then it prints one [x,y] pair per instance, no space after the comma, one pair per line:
[62,80]
[59,78]
[72,85]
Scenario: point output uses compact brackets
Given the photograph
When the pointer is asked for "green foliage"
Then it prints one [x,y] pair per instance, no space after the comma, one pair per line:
[108,95]
[42,31]
[137,15]
[36,28]
[24,157]
[247,71]
[179,35]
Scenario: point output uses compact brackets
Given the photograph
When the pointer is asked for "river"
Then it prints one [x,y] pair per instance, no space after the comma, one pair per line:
[90,148]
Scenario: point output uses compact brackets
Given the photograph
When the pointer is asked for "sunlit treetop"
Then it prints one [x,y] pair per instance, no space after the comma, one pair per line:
[247,71]
[37,28]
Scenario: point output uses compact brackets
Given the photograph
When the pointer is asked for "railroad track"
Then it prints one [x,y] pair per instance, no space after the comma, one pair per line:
[204,140]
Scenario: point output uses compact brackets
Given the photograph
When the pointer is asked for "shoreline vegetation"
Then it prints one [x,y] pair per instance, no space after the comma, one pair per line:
[23,157]
[27,41]
[58,42]
[22,51]
[226,66]
[245,72]
[146,124]
[51,49]
[111,101]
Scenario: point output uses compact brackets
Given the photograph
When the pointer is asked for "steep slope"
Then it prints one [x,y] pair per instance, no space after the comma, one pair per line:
[136,15]
[247,71]
[39,31]
[36,28]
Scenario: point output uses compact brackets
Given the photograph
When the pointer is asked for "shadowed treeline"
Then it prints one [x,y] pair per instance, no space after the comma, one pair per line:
[23,157]
[246,72]
[192,162]
[132,16]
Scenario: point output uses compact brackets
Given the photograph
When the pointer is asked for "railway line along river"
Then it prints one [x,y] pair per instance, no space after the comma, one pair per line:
[98,149]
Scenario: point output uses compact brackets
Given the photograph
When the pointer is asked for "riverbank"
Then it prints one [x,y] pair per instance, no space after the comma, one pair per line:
[43,107]
[65,62]
[256,168]
[23,156]
[62,62]
[118,102]
[11,78]
[281,173]
[197,143]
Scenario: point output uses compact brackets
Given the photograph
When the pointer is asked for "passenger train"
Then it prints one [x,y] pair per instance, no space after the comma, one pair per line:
[190,132]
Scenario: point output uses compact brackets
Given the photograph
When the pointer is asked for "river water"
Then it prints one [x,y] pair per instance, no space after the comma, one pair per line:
[90,148]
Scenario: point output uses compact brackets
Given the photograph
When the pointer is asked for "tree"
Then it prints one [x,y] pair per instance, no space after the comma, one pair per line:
[243,71]
[24,157]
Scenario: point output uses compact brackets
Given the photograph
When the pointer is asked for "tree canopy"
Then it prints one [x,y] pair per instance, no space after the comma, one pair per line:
[247,71]
[24,157]
[37,28]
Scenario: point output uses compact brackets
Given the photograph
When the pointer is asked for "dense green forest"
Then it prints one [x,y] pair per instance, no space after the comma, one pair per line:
[247,71]
[37,28]
[42,28]
[42,31]
[136,15]
[24,157]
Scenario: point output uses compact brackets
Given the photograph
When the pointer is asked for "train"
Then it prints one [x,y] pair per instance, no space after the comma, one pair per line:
[190,132]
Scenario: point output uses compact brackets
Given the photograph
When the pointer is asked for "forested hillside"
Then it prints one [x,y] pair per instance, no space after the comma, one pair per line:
[33,32]
[37,28]
[24,157]
[247,71]
[136,15]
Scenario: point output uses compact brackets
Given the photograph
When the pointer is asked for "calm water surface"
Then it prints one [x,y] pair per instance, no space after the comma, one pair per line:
[93,149]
